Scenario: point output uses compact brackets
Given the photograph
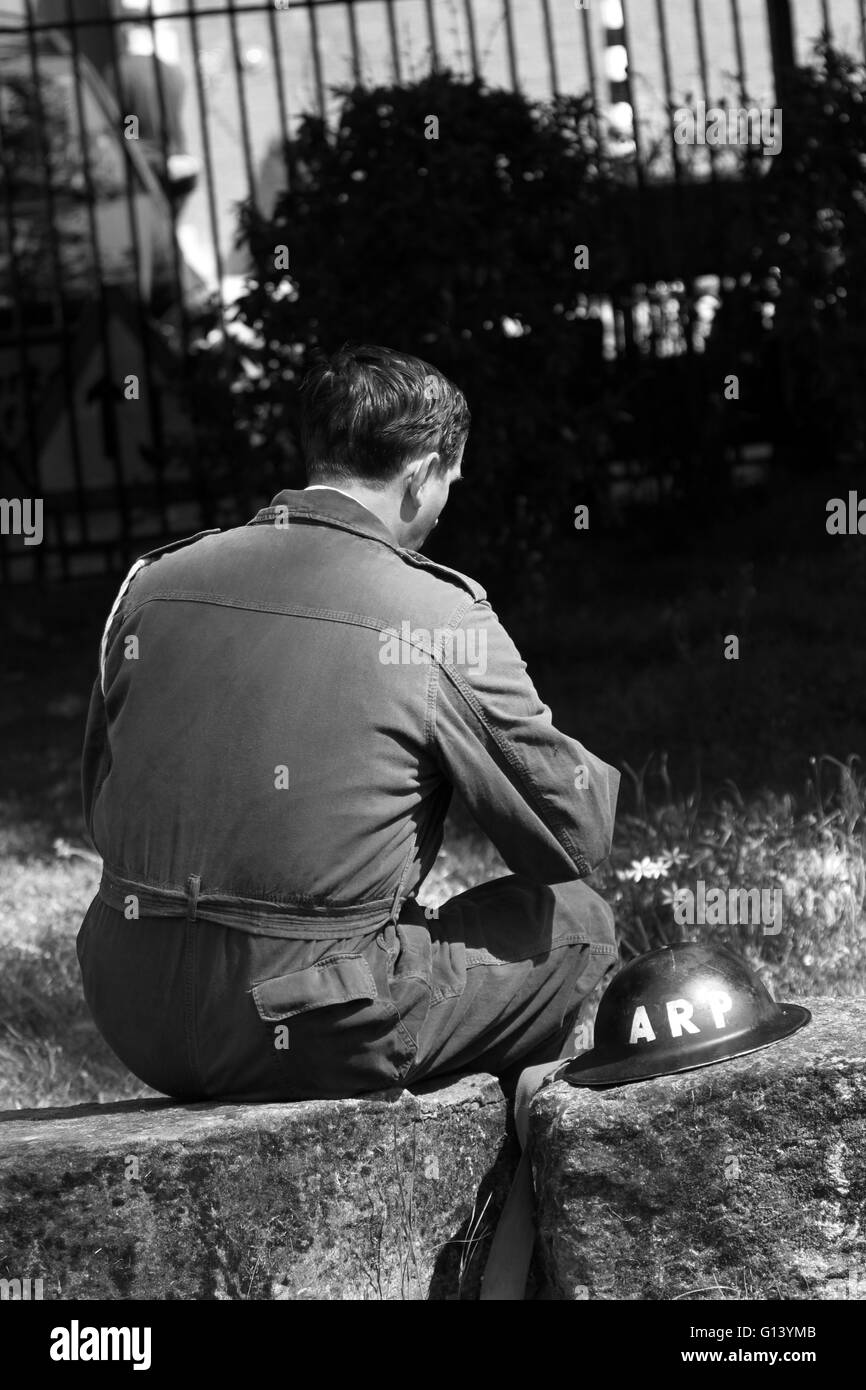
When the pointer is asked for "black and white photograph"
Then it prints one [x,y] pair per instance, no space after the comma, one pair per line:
[432,671]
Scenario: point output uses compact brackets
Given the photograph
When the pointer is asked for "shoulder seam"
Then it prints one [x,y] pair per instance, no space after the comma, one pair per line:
[444,572]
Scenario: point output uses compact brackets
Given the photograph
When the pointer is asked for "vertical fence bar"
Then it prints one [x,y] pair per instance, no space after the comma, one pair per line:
[192,17]
[638,137]
[861,8]
[207,155]
[473,38]
[431,30]
[737,24]
[826,22]
[240,87]
[19,315]
[110,426]
[395,45]
[593,81]
[782,46]
[353,39]
[550,47]
[664,45]
[162,116]
[317,57]
[508,20]
[705,75]
[57,270]
[282,104]
[22,354]
[689,327]
[751,183]
[641,258]
[154,410]
[657,327]
[590,58]
[177,263]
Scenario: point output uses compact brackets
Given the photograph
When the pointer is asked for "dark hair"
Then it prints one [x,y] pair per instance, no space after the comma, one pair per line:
[366,410]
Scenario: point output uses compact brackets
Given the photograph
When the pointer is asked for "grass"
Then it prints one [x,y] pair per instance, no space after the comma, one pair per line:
[50,1051]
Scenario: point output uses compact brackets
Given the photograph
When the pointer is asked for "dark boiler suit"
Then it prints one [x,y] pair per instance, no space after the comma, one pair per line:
[281,714]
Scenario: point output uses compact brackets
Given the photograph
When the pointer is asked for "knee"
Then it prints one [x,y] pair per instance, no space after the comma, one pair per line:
[581,908]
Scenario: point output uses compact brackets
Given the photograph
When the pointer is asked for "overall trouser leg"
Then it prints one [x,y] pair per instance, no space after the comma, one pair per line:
[512,961]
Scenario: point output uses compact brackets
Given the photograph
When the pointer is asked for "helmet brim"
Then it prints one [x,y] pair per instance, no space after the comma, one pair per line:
[593,1069]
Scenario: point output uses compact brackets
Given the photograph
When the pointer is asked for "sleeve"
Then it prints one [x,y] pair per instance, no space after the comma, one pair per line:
[95,757]
[544,800]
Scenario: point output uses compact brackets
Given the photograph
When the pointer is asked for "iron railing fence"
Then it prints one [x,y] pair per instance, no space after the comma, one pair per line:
[131,129]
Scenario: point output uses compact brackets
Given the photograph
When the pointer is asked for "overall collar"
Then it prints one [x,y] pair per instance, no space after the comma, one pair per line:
[329,508]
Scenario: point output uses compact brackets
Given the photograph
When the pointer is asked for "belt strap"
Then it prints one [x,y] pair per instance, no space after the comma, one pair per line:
[247,914]
[193,889]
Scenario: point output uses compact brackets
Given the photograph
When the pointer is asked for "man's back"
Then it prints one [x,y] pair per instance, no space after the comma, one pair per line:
[288,705]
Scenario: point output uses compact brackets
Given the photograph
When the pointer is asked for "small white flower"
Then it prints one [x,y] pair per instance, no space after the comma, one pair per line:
[646,868]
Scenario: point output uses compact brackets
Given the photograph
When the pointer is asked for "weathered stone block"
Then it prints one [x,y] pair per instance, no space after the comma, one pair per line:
[350,1199]
[741,1180]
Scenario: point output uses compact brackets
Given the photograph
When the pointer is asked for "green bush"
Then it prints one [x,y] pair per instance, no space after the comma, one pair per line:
[461,249]
[793,320]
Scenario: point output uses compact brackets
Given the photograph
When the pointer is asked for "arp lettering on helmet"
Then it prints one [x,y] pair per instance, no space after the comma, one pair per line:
[680,1017]
[685,1005]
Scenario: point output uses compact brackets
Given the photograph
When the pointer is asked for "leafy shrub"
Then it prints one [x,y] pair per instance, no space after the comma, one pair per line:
[792,320]
[460,249]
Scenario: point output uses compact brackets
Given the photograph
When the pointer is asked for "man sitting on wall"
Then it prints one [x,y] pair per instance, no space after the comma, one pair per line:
[281,715]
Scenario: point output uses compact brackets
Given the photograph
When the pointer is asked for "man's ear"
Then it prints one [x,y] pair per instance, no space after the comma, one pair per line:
[420,471]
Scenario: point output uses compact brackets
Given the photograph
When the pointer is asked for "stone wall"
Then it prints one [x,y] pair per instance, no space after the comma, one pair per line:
[357,1199]
[745,1180]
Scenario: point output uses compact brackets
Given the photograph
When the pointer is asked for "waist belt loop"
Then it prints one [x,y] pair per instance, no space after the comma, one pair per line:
[193,887]
[396,904]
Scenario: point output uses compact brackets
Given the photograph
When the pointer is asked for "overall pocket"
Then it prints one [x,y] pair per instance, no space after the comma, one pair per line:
[331,1032]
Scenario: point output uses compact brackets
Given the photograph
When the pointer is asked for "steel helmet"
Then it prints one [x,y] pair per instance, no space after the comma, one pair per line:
[679,1007]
